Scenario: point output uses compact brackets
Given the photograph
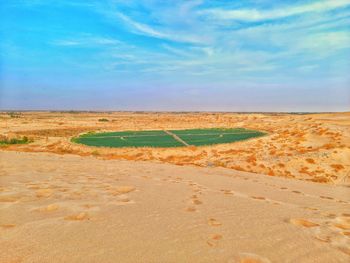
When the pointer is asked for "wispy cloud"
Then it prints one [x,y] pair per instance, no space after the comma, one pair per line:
[326,42]
[66,43]
[287,11]
[87,41]
[147,30]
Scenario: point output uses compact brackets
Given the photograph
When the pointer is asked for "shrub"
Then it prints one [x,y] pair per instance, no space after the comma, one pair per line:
[95,153]
[13,115]
[23,140]
[309,160]
[337,167]
[103,120]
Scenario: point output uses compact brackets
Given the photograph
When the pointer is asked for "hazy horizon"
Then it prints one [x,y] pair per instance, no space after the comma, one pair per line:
[149,55]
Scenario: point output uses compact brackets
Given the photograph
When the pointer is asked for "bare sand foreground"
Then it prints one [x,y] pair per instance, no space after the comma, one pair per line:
[68,208]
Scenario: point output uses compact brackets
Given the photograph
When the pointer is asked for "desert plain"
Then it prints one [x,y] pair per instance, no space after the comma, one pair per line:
[283,197]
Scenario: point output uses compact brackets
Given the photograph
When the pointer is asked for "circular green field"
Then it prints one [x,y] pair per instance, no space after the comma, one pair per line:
[166,138]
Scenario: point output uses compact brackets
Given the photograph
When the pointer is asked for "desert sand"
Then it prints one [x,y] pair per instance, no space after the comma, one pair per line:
[281,198]
[313,147]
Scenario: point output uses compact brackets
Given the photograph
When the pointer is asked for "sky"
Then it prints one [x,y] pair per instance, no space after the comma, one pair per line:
[175,55]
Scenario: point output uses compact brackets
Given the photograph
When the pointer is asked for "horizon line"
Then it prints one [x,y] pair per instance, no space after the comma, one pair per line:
[168,111]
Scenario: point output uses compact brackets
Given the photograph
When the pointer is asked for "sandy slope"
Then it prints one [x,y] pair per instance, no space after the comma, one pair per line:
[81,209]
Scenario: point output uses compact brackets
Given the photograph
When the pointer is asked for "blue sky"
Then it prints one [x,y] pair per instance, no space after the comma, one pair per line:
[253,55]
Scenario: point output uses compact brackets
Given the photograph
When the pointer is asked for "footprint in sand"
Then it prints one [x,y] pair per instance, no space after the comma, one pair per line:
[121,190]
[3,189]
[33,186]
[124,200]
[190,209]
[178,179]
[43,193]
[342,223]
[195,200]
[63,190]
[227,192]
[248,258]
[328,215]
[345,233]
[310,208]
[323,238]
[342,202]
[78,217]
[326,197]
[9,198]
[303,222]
[88,206]
[213,222]
[49,208]
[7,226]
[76,195]
[213,241]
[190,183]
[258,197]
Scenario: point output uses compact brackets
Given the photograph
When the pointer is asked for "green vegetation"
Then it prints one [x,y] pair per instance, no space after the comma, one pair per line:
[24,140]
[124,133]
[129,140]
[200,140]
[213,131]
[13,114]
[103,120]
[196,137]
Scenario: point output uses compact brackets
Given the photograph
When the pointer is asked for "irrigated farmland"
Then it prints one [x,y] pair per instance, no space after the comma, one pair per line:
[172,138]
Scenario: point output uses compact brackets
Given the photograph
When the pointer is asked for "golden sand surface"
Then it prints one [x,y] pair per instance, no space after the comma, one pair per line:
[69,208]
[314,147]
[284,197]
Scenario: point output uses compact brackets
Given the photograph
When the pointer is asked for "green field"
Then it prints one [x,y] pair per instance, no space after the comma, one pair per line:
[170,138]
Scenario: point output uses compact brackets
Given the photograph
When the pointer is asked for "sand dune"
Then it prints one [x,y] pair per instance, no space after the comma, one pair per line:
[67,208]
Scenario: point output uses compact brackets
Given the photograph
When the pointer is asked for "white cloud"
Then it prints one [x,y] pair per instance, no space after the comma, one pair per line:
[66,43]
[146,30]
[260,15]
[326,41]
[177,51]
[87,41]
